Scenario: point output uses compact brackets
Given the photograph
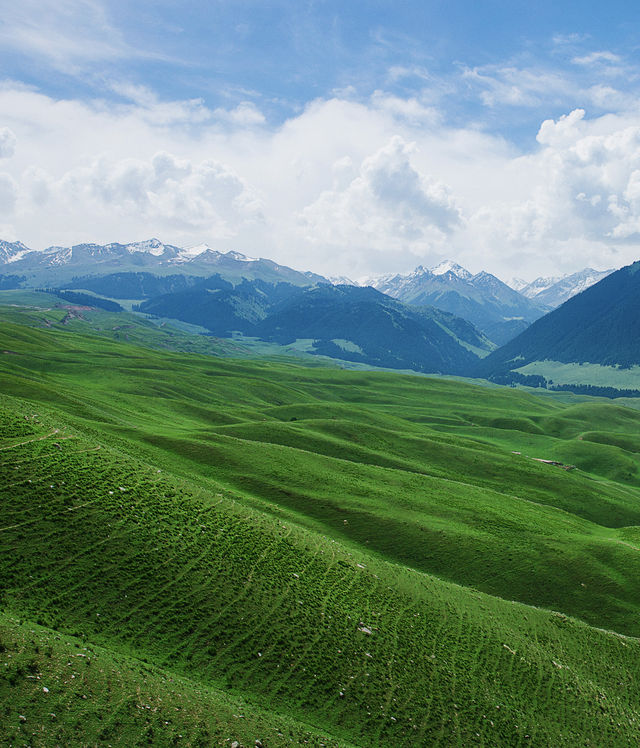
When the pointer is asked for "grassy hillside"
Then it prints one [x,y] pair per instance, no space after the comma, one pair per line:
[576,374]
[598,327]
[61,690]
[340,552]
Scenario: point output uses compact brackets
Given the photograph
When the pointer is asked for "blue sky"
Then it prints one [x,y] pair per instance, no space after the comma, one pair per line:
[280,55]
[360,137]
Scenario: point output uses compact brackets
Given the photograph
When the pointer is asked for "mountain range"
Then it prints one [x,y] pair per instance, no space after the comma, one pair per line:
[552,292]
[149,269]
[56,265]
[492,306]
[343,322]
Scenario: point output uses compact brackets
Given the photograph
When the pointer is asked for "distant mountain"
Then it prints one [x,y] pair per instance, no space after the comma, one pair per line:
[57,266]
[219,306]
[552,292]
[133,285]
[492,306]
[344,322]
[341,280]
[599,326]
[11,251]
[362,324]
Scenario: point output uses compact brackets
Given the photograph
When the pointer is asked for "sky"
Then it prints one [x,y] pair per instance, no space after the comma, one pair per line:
[348,138]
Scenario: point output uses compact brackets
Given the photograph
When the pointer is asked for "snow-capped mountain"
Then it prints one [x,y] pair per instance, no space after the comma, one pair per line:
[341,280]
[533,288]
[448,266]
[12,251]
[552,292]
[487,302]
[55,265]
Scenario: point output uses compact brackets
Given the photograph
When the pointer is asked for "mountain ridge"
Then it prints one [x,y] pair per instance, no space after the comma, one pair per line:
[598,326]
[345,322]
[554,291]
[56,264]
[483,299]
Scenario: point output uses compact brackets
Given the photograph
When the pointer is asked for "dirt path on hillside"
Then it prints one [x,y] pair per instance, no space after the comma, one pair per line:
[29,441]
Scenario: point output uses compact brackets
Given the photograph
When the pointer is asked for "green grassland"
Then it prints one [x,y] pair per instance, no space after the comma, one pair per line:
[72,693]
[345,558]
[594,374]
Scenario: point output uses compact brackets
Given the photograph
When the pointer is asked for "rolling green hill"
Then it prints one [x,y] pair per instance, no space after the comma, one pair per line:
[342,558]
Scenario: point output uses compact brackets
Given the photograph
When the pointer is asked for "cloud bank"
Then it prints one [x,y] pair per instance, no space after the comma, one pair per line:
[343,186]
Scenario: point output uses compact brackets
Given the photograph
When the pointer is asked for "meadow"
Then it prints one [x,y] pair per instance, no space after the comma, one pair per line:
[256,549]
[602,376]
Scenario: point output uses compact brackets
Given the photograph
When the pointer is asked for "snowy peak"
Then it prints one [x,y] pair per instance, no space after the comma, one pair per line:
[555,291]
[448,266]
[195,250]
[57,265]
[482,299]
[12,251]
[538,285]
[153,246]
[239,257]
[517,284]
[341,280]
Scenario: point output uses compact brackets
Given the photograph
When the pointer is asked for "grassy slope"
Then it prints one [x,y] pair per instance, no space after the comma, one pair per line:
[198,576]
[95,696]
[200,586]
[601,376]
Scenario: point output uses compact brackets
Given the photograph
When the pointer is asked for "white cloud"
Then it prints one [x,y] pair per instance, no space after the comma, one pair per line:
[336,188]
[564,130]
[164,192]
[8,194]
[515,86]
[584,195]
[412,109]
[7,142]
[389,206]
[246,114]
[145,103]
[597,57]
[67,34]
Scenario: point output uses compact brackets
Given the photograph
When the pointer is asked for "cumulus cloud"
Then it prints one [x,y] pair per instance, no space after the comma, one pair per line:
[583,202]
[163,191]
[389,204]
[7,142]
[595,175]
[344,186]
[8,194]
[564,130]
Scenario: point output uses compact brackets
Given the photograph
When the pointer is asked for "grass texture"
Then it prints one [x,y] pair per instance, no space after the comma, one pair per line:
[343,558]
